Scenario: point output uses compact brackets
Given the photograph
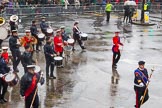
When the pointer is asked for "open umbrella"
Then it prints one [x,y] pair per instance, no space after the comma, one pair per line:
[131,3]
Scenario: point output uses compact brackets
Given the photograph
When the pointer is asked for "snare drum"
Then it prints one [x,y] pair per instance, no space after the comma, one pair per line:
[83,36]
[67,50]
[49,31]
[11,79]
[58,61]
[41,36]
[70,42]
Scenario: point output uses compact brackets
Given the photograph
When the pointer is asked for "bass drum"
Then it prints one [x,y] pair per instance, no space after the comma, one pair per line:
[11,79]
[3,33]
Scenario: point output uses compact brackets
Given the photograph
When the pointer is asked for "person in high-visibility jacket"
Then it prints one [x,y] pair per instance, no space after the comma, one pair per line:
[108,9]
[145,7]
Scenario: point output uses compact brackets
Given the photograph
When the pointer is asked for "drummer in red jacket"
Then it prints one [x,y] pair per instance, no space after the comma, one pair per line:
[5,54]
[58,43]
[115,48]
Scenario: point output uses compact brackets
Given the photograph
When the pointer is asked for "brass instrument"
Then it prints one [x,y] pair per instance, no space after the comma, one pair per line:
[3,29]
[14,18]
[23,42]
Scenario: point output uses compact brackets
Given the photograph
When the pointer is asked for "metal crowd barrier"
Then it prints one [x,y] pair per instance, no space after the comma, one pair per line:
[32,10]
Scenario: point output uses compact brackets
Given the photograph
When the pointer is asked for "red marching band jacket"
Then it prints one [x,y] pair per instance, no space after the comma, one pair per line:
[32,86]
[27,40]
[5,56]
[116,42]
[58,42]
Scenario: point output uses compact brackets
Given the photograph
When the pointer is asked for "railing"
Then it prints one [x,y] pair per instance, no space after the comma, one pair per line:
[53,10]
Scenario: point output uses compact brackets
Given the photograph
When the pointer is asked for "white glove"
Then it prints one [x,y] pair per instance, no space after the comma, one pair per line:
[1,75]
[22,97]
[141,84]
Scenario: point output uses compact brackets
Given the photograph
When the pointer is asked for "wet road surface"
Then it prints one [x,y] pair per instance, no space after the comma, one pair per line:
[88,79]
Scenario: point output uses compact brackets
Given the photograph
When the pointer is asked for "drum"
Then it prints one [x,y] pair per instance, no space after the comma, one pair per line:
[3,33]
[83,36]
[37,69]
[49,32]
[41,36]
[67,49]
[70,42]
[11,79]
[58,61]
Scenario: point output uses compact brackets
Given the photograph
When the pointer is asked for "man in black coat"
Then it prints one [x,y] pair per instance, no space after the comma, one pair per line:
[29,88]
[44,26]
[14,45]
[49,56]
[26,58]
[34,32]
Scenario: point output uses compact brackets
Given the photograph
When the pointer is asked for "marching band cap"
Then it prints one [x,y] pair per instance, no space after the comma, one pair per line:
[141,63]
[13,31]
[62,27]
[43,17]
[117,31]
[58,30]
[31,66]
[27,31]
[4,48]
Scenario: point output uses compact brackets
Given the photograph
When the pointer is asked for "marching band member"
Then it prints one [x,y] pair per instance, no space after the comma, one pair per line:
[76,36]
[5,54]
[65,37]
[13,22]
[58,43]
[28,40]
[26,58]
[3,85]
[29,88]
[14,45]
[115,49]
[140,81]
[49,56]
[44,26]
[34,32]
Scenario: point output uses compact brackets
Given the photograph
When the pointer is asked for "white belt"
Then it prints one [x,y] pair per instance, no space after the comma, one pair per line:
[138,85]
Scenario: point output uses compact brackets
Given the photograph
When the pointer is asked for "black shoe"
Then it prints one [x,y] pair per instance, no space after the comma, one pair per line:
[52,77]
[84,48]
[4,100]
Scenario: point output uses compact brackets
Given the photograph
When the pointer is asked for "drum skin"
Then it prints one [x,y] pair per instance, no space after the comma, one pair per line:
[3,33]
[41,36]
[11,79]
